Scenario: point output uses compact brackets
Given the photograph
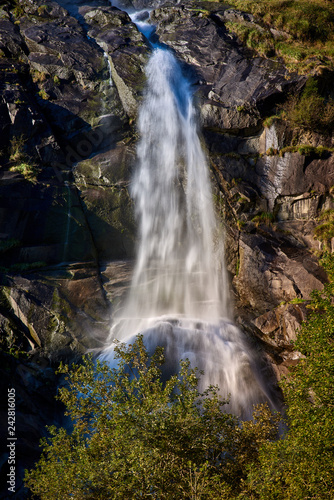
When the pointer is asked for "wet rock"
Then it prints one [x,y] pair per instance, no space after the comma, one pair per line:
[103,182]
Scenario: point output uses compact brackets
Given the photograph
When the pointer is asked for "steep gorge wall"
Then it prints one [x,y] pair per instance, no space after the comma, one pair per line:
[70,90]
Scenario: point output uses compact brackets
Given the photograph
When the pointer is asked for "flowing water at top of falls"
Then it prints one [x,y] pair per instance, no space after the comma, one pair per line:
[179,294]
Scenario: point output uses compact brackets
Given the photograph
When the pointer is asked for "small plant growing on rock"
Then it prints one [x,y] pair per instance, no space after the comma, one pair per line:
[270,120]
[271,151]
[16,149]
[43,94]
[263,218]
[39,76]
[311,110]
[42,10]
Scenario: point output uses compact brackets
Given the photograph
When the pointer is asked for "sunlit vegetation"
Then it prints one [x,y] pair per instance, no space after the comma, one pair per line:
[325,230]
[301,465]
[134,436]
[19,161]
[304,31]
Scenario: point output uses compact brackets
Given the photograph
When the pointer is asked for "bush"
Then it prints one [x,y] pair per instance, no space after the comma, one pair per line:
[311,110]
[325,231]
[134,436]
[305,30]
[302,465]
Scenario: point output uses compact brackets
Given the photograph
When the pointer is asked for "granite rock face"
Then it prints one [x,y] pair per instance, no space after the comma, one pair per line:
[71,80]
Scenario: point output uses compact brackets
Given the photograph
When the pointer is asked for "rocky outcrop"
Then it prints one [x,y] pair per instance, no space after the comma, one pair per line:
[67,150]
[71,88]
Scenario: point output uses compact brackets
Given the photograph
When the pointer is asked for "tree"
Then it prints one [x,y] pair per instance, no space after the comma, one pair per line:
[135,436]
[301,466]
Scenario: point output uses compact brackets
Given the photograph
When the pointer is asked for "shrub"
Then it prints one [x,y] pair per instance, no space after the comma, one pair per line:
[263,218]
[310,110]
[16,149]
[135,437]
[325,231]
[302,465]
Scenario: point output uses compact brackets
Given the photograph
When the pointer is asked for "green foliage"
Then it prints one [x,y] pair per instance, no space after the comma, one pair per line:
[305,30]
[307,150]
[302,19]
[39,76]
[9,244]
[43,94]
[253,37]
[270,120]
[136,437]
[311,110]
[325,231]
[301,466]
[263,218]
[20,161]
[28,170]
[16,149]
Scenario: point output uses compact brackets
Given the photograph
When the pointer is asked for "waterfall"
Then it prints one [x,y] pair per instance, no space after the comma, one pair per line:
[179,294]
[68,222]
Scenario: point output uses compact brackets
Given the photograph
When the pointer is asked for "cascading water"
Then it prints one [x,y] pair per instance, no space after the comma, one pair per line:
[178,295]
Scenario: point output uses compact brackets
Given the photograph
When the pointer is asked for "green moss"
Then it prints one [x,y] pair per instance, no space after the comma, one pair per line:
[270,120]
[308,150]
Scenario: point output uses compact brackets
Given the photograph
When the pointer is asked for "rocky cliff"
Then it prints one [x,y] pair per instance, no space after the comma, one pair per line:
[71,79]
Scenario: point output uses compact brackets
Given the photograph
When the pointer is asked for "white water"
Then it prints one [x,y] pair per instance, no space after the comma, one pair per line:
[179,293]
